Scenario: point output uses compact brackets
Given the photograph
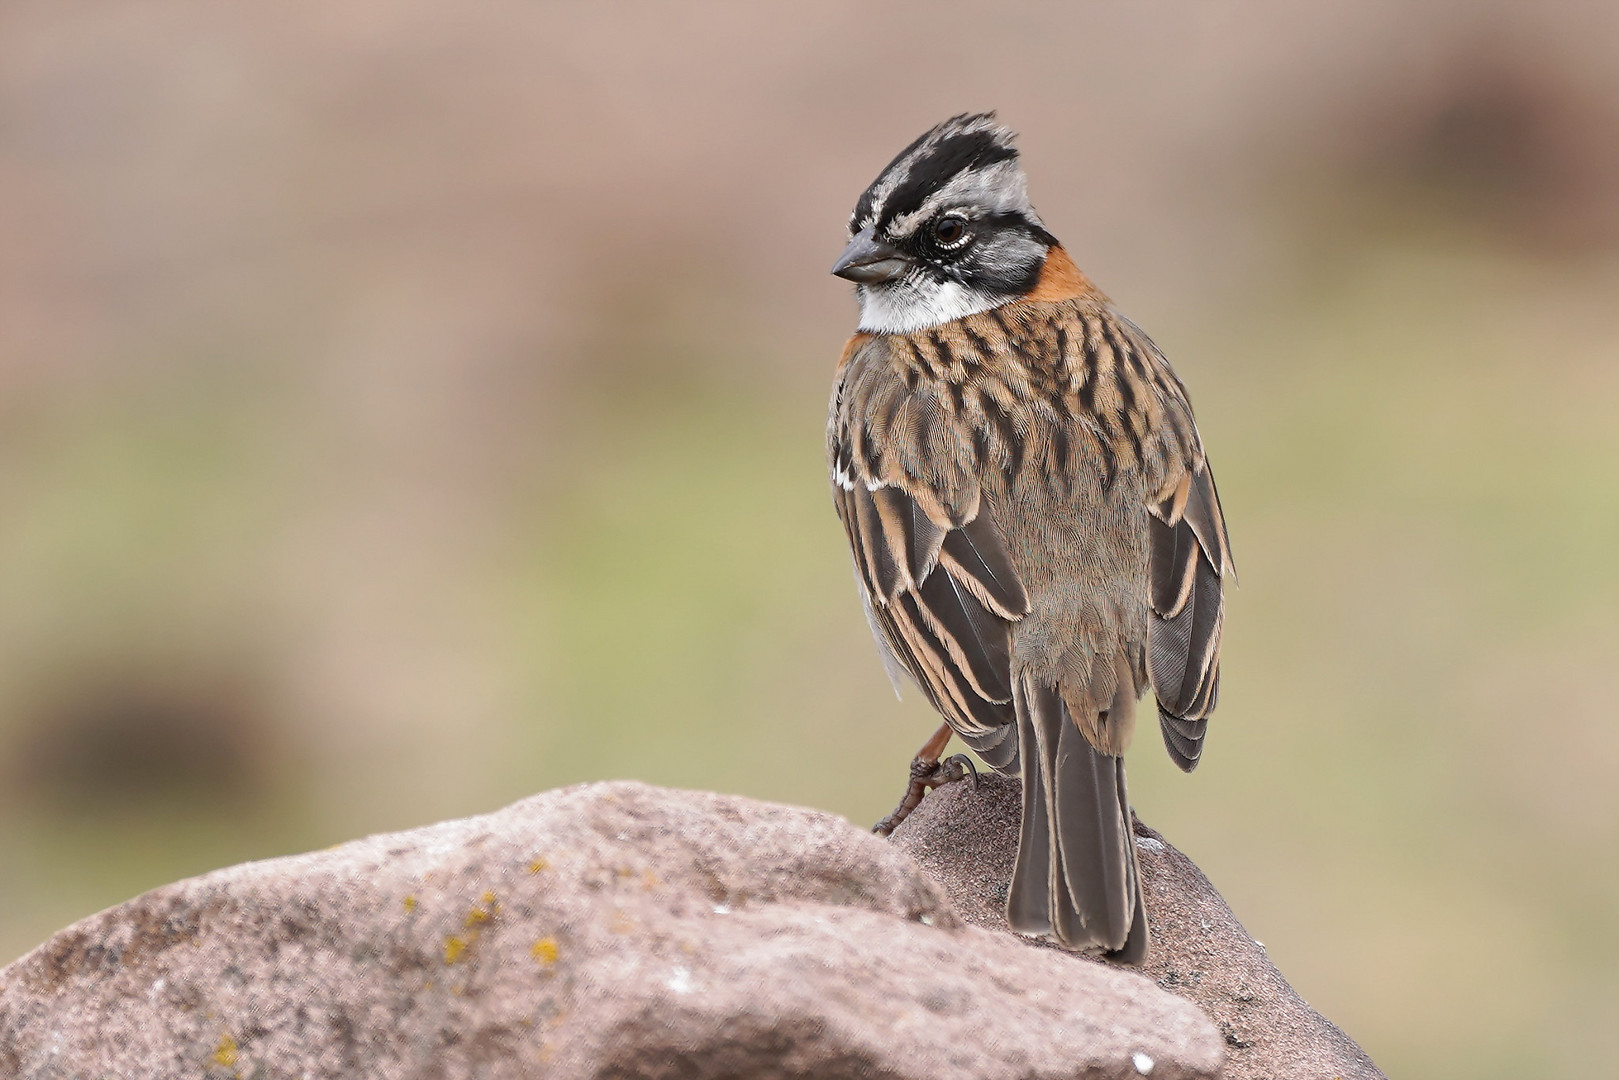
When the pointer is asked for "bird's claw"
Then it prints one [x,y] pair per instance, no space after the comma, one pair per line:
[925,776]
[951,769]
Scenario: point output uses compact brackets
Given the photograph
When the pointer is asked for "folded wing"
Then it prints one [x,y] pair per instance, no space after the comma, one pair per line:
[942,598]
[1190,558]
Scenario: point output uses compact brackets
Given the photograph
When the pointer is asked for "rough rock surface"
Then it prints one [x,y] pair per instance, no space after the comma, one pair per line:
[610,930]
[965,838]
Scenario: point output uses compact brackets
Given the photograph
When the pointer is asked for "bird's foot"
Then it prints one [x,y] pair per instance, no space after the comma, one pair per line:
[925,776]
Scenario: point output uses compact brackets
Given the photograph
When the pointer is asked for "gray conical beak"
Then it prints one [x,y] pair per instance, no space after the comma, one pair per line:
[870,261]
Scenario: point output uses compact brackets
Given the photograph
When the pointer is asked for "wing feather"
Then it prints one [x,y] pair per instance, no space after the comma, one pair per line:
[939,587]
[976,557]
[1190,559]
[913,539]
[882,569]
[978,641]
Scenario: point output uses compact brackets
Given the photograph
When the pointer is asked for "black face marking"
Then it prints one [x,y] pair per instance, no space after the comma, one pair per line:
[954,206]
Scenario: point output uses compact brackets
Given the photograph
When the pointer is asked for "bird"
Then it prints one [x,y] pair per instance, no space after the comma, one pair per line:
[1035,530]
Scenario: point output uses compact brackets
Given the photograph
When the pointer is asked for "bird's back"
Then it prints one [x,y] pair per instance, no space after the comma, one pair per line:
[1066,422]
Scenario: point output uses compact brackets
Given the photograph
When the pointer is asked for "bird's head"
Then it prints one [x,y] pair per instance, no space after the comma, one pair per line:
[945,231]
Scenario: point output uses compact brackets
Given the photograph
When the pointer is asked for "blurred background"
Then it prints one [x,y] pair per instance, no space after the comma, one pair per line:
[408,407]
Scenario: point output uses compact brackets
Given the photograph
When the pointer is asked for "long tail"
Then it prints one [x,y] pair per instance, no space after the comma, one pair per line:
[1076,876]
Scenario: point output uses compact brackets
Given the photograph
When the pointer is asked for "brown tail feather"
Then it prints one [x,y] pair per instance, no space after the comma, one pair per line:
[1076,876]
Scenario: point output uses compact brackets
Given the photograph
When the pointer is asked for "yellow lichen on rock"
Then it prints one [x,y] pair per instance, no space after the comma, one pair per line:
[480,915]
[545,951]
[453,948]
[225,1052]
[410,903]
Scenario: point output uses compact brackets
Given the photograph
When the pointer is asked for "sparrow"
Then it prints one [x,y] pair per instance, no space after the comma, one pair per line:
[1035,529]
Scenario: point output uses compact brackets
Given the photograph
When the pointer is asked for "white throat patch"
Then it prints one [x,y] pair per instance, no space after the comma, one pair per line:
[917,302]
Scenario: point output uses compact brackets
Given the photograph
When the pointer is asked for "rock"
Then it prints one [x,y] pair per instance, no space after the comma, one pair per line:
[609,930]
[965,838]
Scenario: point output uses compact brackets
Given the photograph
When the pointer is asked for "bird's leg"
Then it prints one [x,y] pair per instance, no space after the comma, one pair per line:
[928,772]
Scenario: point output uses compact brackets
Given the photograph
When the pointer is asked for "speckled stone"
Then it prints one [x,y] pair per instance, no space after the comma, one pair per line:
[966,838]
[609,930]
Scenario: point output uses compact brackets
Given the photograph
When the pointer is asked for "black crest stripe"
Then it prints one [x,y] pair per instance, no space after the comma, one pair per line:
[955,154]
[862,208]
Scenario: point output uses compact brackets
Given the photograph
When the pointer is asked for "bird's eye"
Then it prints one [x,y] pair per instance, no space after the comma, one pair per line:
[950,230]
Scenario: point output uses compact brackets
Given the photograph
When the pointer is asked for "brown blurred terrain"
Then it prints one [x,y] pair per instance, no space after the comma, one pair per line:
[405,408]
